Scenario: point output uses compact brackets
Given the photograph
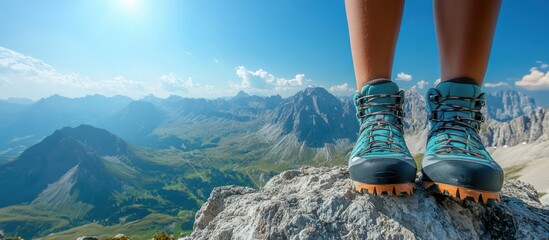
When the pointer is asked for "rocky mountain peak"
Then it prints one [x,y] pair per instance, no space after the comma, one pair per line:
[523,129]
[241,94]
[505,105]
[316,117]
[174,98]
[101,141]
[318,203]
[415,110]
[314,91]
[316,98]
[70,152]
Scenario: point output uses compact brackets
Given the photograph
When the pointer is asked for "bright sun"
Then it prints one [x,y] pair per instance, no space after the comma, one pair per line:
[129,2]
[133,6]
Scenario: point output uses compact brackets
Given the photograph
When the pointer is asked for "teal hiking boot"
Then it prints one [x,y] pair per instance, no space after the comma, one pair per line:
[380,161]
[455,161]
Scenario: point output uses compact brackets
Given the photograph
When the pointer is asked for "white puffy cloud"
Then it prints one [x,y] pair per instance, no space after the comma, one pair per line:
[498,84]
[283,84]
[15,65]
[535,80]
[171,84]
[342,89]
[421,84]
[25,76]
[260,79]
[403,77]
[172,81]
[264,83]
[542,64]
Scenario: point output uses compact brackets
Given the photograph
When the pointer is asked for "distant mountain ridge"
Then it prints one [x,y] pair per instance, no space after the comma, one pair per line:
[136,121]
[314,116]
[523,129]
[77,150]
[27,124]
[506,105]
[17,100]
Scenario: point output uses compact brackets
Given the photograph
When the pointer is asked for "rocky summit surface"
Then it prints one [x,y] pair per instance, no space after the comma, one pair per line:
[318,203]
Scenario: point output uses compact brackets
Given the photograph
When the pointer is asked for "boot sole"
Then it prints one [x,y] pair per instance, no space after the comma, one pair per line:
[462,193]
[398,189]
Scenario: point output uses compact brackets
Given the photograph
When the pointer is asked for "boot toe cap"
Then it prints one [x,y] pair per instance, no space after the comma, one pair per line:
[382,170]
[486,176]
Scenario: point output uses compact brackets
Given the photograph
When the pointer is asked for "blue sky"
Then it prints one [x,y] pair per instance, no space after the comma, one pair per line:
[206,48]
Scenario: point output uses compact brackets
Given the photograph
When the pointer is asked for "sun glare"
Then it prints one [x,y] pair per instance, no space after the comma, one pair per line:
[132,6]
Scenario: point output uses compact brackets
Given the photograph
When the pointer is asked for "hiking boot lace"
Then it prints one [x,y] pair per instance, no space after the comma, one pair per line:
[467,128]
[379,123]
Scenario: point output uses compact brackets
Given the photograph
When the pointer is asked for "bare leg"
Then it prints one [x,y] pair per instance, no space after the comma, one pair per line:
[373,28]
[465,29]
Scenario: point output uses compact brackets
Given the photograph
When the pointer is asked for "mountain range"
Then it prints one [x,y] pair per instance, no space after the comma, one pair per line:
[86,175]
[313,116]
[112,160]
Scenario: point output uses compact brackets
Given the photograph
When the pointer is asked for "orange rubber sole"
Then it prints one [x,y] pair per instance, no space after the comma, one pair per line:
[462,193]
[388,189]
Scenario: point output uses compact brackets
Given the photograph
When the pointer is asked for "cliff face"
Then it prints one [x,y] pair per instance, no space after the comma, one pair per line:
[316,117]
[528,128]
[509,104]
[318,203]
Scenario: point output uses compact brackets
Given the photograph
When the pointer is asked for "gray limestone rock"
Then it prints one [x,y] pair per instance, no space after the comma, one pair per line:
[509,104]
[528,128]
[318,203]
[87,238]
[315,117]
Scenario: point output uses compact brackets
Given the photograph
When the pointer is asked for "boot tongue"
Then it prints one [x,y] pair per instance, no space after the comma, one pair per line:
[380,86]
[381,131]
[453,89]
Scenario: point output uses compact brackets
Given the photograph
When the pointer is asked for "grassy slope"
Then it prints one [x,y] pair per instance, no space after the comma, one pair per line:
[158,196]
[31,220]
[136,230]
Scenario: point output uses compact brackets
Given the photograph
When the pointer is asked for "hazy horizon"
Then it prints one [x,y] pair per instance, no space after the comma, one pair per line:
[543,102]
